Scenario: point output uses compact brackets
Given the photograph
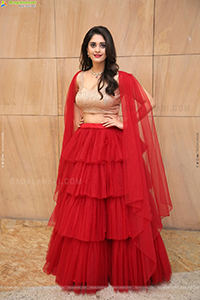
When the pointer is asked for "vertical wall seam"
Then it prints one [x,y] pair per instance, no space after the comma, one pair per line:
[153,49]
[56,58]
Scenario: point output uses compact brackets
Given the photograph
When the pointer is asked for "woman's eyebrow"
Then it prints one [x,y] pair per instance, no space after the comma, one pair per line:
[95,42]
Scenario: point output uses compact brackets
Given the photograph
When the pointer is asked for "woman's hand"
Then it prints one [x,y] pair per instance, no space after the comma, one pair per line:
[81,121]
[112,120]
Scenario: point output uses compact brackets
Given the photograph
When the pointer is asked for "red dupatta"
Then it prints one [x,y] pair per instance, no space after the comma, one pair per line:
[146,189]
[141,146]
[143,165]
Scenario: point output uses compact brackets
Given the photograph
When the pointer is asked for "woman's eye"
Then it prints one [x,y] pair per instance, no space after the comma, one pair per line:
[101,45]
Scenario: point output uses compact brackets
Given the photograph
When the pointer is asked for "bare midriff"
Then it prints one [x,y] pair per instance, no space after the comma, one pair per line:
[96,118]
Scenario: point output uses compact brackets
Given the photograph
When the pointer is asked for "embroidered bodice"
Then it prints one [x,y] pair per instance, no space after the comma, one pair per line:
[88,100]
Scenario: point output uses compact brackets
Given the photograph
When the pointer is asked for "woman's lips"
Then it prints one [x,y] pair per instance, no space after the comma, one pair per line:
[97,55]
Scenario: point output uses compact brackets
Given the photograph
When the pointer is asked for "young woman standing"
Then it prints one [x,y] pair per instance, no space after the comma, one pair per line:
[111,188]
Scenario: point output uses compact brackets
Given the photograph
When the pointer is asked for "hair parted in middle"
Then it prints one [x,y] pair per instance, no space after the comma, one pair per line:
[111,67]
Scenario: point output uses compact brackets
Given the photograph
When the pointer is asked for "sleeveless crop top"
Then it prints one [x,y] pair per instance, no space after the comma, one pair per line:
[88,100]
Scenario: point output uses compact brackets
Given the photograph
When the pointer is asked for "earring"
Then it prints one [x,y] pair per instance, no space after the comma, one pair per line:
[88,54]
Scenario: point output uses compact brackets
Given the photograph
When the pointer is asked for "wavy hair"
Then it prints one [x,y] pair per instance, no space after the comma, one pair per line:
[111,67]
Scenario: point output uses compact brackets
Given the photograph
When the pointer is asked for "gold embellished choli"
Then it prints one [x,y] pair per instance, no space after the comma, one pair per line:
[90,102]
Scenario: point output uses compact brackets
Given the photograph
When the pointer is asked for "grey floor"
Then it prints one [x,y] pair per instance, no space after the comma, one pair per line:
[183,286]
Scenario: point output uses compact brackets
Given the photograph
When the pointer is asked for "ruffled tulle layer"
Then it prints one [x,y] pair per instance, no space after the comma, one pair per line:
[93,163]
[100,180]
[86,267]
[94,143]
[96,239]
[92,219]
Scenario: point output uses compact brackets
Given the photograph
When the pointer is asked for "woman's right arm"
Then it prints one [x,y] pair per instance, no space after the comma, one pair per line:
[78,116]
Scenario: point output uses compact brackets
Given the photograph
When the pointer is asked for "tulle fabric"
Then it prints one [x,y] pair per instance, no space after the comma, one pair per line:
[111,195]
[93,241]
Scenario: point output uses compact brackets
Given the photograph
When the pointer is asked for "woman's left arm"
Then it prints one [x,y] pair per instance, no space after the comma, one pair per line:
[146,106]
[151,100]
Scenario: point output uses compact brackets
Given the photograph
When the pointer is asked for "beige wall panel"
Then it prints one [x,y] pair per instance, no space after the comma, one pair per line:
[130,22]
[66,69]
[176,85]
[140,67]
[31,157]
[179,141]
[27,32]
[28,86]
[177,26]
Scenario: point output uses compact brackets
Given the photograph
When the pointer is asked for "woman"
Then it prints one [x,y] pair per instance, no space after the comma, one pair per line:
[111,188]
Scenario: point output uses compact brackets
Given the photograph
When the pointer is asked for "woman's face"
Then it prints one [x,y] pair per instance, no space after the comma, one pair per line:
[97,48]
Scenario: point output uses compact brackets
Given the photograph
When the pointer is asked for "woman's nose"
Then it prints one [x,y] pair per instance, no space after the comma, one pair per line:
[98,48]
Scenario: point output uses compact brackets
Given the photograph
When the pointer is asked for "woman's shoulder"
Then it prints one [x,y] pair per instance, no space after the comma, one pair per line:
[75,77]
[76,74]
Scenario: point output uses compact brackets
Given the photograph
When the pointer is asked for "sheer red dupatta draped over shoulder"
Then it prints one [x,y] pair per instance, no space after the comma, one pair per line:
[142,156]
[146,190]
[68,132]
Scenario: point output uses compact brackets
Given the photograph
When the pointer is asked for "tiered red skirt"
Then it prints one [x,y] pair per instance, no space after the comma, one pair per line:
[91,243]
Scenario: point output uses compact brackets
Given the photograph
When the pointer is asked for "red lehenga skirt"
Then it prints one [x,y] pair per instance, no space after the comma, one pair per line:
[91,243]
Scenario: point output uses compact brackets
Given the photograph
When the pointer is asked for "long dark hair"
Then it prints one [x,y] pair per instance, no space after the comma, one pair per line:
[111,67]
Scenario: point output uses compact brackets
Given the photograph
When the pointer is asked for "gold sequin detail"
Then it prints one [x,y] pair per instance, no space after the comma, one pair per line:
[88,100]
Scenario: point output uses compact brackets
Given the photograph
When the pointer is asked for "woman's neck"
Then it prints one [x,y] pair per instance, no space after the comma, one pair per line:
[98,67]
